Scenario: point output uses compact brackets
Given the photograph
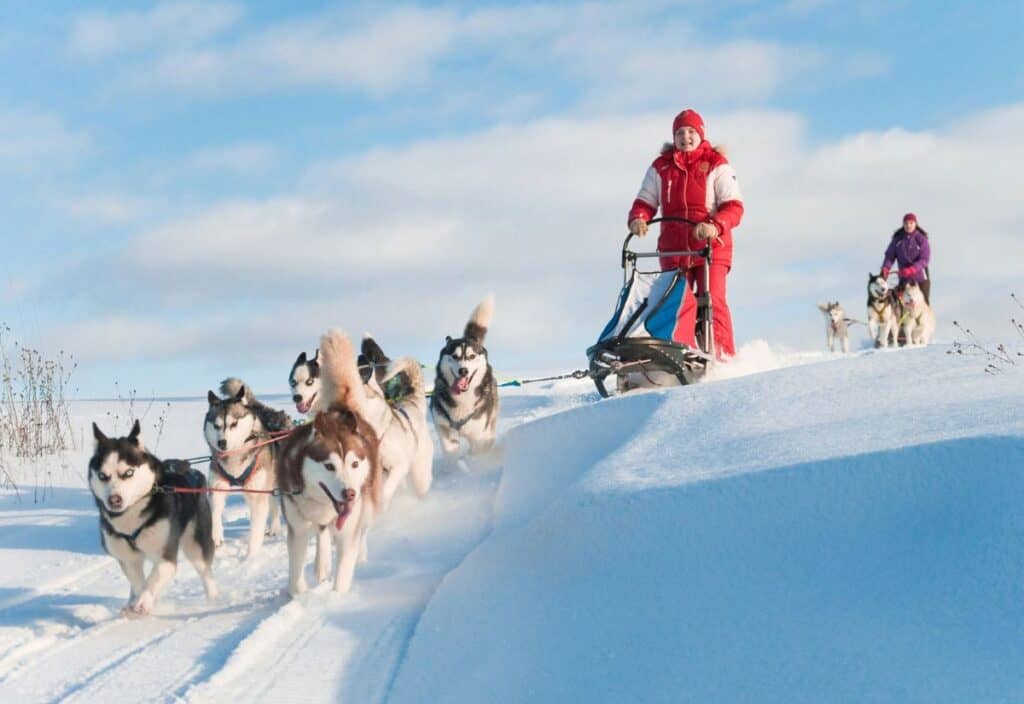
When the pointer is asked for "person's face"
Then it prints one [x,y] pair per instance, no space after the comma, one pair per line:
[909,225]
[687,139]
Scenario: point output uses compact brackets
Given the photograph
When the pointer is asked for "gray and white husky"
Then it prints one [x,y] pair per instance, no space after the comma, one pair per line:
[465,399]
[138,522]
[918,316]
[331,473]
[836,327]
[884,309]
[235,428]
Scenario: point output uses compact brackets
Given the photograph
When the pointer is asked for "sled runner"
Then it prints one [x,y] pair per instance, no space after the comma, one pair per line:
[641,344]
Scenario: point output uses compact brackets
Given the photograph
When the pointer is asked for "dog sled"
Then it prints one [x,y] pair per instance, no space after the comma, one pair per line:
[641,343]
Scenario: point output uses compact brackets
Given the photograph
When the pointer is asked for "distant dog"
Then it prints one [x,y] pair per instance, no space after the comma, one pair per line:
[139,523]
[835,326]
[304,380]
[884,310]
[236,429]
[465,399]
[918,316]
[330,472]
[399,417]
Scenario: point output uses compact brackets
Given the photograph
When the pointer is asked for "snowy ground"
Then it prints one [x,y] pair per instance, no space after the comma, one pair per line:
[826,529]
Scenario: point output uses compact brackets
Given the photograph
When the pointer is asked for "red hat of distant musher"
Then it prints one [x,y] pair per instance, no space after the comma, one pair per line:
[909,216]
[689,118]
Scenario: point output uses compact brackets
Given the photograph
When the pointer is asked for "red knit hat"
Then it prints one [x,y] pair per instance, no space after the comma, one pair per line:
[909,216]
[689,118]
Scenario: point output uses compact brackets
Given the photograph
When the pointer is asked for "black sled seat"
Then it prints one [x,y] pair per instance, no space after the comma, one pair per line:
[640,345]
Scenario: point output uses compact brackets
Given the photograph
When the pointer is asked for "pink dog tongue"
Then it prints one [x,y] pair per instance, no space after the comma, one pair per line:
[461,385]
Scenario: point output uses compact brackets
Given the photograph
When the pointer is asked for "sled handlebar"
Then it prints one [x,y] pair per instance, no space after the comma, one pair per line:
[630,256]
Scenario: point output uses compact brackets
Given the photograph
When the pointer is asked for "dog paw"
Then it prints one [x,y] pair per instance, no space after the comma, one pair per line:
[143,606]
[296,588]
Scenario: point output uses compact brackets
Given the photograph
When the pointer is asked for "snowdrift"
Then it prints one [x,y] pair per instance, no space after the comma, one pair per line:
[791,536]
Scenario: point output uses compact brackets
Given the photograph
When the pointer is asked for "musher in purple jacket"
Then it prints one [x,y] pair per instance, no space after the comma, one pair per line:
[910,250]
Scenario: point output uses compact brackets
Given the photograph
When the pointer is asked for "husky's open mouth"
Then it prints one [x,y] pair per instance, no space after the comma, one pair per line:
[304,406]
[461,384]
[342,506]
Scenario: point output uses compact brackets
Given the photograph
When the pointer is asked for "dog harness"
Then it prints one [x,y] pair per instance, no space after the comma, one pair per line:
[242,479]
[460,424]
[108,527]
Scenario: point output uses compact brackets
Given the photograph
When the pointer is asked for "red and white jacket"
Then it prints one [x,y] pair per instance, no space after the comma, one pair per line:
[699,186]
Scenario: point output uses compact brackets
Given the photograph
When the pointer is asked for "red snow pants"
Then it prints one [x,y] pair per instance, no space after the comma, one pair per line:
[724,345]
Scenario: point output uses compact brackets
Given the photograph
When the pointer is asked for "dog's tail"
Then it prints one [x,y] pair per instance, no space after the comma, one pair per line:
[480,320]
[339,374]
[232,386]
[408,370]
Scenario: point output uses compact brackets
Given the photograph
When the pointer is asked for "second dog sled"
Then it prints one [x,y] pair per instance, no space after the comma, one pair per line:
[641,344]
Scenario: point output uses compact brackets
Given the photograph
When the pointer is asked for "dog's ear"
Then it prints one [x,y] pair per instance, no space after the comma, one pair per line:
[300,360]
[98,434]
[447,340]
[240,396]
[213,398]
[316,355]
[136,431]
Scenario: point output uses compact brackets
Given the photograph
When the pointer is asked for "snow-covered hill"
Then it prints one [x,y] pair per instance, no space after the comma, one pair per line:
[848,530]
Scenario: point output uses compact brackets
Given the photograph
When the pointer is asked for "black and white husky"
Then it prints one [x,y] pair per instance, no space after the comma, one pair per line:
[331,474]
[304,377]
[138,522]
[465,399]
[304,381]
[884,309]
[236,429]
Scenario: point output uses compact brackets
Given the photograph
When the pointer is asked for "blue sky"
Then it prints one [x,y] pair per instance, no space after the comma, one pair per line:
[199,189]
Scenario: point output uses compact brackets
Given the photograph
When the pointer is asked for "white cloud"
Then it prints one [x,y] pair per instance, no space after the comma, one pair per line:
[405,47]
[376,54]
[98,34]
[243,158]
[33,141]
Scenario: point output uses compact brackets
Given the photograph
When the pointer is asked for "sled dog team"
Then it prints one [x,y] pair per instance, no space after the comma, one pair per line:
[890,311]
[366,435]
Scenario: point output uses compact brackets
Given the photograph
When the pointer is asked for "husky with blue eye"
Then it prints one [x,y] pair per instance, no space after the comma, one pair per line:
[141,518]
[465,399]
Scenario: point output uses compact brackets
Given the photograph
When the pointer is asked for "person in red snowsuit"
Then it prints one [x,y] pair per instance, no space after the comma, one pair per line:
[693,180]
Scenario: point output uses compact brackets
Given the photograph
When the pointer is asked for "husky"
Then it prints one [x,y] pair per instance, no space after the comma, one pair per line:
[331,473]
[835,326]
[138,522]
[884,310]
[396,408]
[236,429]
[918,317]
[304,380]
[465,399]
